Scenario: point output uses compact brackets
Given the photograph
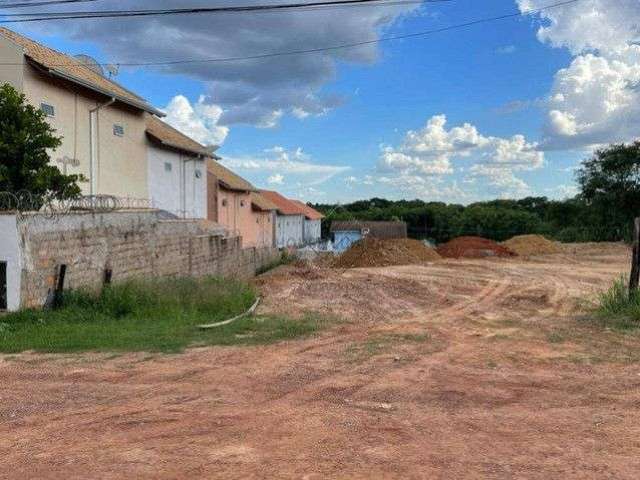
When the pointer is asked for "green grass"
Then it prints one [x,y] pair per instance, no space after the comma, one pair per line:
[617,309]
[157,316]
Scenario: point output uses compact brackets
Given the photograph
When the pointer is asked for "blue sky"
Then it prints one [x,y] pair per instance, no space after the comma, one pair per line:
[336,127]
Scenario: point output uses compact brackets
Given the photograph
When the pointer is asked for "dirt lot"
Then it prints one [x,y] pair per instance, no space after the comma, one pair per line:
[458,369]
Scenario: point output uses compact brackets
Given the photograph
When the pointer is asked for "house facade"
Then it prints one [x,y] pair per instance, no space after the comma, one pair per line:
[289,220]
[264,212]
[312,227]
[177,171]
[103,125]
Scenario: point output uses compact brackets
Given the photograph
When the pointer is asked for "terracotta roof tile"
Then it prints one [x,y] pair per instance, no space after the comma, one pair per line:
[260,202]
[74,70]
[309,212]
[169,136]
[285,206]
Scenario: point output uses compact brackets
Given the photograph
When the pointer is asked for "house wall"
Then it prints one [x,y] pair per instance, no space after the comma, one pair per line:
[234,212]
[132,244]
[173,183]
[10,253]
[120,164]
[289,230]
[342,240]
[312,230]
[261,235]
[212,197]
[12,58]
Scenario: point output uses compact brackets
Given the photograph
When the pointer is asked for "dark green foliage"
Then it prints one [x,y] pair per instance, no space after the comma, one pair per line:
[603,211]
[25,137]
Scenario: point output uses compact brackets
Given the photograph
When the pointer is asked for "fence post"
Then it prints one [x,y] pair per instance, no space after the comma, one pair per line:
[635,258]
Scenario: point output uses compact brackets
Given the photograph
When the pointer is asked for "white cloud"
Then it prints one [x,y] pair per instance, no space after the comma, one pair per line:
[276,179]
[596,98]
[564,191]
[198,121]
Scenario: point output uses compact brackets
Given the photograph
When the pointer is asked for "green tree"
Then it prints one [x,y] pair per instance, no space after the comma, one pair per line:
[610,185]
[25,138]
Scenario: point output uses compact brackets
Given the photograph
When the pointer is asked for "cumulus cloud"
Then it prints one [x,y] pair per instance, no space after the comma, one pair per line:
[596,98]
[257,91]
[277,162]
[199,121]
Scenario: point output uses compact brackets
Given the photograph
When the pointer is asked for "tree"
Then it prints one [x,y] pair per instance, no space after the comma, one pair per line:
[25,138]
[610,185]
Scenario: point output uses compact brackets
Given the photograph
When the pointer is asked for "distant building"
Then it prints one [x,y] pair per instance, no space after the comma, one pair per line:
[289,220]
[345,233]
[312,231]
[264,213]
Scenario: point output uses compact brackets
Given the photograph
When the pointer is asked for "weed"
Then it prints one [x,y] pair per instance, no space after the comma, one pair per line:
[618,308]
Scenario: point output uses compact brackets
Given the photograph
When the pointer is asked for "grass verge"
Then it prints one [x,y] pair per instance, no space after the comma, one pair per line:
[617,308]
[155,316]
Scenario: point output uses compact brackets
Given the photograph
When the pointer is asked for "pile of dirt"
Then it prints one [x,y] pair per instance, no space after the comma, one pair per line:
[532,245]
[473,247]
[372,252]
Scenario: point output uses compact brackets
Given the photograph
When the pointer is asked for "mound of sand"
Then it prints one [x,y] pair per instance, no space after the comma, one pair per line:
[473,247]
[371,252]
[532,245]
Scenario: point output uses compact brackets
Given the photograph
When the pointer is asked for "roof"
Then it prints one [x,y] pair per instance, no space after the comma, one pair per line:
[375,229]
[309,212]
[260,202]
[66,67]
[170,137]
[227,179]
[285,206]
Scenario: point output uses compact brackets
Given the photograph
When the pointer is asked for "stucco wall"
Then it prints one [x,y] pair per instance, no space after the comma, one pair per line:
[12,58]
[177,188]
[312,231]
[234,212]
[121,162]
[261,233]
[289,230]
[10,253]
[131,244]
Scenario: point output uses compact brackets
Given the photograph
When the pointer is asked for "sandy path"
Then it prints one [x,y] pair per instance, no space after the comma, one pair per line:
[458,369]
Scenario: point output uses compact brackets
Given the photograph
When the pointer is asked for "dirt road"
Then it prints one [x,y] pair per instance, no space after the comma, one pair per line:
[478,369]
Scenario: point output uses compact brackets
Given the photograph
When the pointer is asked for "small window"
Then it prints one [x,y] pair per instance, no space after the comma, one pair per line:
[198,173]
[242,203]
[224,202]
[168,167]
[48,110]
[118,130]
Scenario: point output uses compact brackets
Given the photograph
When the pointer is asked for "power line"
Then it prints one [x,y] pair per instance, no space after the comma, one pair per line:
[41,3]
[83,14]
[341,46]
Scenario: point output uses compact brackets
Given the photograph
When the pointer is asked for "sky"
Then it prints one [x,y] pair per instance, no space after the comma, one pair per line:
[501,109]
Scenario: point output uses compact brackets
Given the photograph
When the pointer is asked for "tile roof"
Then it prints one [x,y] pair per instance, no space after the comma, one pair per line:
[227,179]
[309,212]
[71,69]
[285,206]
[260,202]
[170,137]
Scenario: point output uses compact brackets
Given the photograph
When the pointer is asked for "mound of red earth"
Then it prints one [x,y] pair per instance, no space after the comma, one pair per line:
[372,252]
[473,247]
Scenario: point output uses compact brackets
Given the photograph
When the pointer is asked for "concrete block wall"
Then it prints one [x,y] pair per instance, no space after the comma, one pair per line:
[130,244]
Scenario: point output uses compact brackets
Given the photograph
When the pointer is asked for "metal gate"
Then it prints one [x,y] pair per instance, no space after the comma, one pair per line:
[3,285]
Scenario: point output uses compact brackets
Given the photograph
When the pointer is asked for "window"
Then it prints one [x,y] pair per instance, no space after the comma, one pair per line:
[198,173]
[242,203]
[168,167]
[48,110]
[224,202]
[118,130]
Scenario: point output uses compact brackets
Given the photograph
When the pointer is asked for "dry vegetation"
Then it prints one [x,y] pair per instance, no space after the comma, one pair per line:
[473,368]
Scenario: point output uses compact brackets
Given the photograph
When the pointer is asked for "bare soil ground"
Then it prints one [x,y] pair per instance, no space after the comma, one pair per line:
[475,369]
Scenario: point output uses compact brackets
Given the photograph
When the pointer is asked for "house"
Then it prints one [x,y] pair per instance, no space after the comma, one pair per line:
[177,171]
[345,233]
[289,220]
[312,232]
[103,125]
[264,212]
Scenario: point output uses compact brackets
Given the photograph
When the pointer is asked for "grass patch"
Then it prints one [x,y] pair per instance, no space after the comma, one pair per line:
[617,309]
[154,316]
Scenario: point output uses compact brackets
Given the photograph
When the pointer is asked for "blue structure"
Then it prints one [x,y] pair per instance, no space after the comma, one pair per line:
[343,239]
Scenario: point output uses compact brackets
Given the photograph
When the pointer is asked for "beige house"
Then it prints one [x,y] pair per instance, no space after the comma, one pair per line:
[103,125]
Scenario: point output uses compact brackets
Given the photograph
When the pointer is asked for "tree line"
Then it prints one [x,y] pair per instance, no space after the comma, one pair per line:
[603,210]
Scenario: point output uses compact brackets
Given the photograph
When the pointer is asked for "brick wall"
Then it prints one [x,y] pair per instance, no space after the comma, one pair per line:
[130,244]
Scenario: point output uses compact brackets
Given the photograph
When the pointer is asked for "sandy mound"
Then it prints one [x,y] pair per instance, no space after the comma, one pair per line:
[372,252]
[532,245]
[473,247]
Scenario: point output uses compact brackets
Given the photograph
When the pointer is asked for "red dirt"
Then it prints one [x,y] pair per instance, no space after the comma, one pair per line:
[457,369]
[473,247]
[372,252]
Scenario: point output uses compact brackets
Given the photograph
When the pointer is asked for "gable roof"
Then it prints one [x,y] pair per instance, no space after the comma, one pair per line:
[309,212]
[285,206]
[68,68]
[168,136]
[227,179]
[260,202]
